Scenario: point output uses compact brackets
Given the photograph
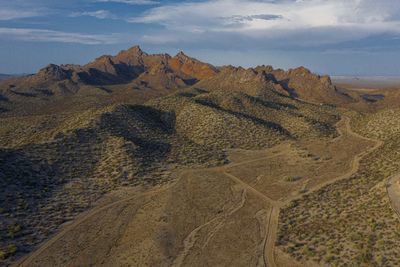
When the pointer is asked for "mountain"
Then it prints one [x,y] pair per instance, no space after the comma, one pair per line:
[137,70]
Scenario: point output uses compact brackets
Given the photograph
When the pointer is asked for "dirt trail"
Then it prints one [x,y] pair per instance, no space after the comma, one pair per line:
[272,221]
[250,188]
[269,255]
[355,164]
[231,165]
[191,239]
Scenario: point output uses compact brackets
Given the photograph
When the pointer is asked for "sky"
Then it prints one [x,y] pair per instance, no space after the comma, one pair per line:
[336,37]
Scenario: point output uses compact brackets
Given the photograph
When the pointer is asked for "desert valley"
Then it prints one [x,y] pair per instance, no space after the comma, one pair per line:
[146,159]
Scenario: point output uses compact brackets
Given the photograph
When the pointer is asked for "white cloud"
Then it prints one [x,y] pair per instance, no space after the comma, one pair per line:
[43,35]
[100,14]
[325,21]
[131,2]
[12,14]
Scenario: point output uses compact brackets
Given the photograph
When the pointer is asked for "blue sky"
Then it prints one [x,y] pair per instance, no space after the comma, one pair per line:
[338,37]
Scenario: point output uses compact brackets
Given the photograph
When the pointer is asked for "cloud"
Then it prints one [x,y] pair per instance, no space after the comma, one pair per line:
[306,22]
[239,20]
[254,17]
[12,14]
[100,14]
[131,2]
[44,35]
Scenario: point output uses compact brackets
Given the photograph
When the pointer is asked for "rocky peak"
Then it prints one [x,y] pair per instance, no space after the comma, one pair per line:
[265,68]
[71,67]
[135,50]
[240,72]
[300,71]
[132,56]
[53,72]
[190,68]
[105,60]
[306,74]
[182,56]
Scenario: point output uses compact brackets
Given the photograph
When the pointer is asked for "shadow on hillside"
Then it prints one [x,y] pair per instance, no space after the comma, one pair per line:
[285,84]
[148,128]
[270,104]
[256,120]
[3,98]
[32,181]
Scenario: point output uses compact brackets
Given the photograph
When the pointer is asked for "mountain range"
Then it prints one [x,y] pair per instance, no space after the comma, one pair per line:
[4,76]
[136,70]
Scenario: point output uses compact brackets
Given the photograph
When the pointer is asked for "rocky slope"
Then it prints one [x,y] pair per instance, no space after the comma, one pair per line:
[302,83]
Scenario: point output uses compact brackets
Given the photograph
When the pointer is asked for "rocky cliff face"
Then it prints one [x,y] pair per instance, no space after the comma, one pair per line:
[134,64]
[303,84]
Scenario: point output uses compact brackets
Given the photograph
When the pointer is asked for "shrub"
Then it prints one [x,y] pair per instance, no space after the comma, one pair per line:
[12,249]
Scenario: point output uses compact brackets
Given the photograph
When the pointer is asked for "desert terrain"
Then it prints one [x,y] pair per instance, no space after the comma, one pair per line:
[158,160]
[199,218]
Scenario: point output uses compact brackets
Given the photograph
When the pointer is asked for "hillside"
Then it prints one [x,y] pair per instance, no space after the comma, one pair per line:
[58,166]
[351,221]
[190,204]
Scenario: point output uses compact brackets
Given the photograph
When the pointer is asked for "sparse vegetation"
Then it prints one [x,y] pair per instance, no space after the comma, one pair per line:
[293,178]
[351,218]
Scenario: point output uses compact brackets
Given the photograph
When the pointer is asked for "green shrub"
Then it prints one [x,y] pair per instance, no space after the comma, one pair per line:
[3,255]
[12,249]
